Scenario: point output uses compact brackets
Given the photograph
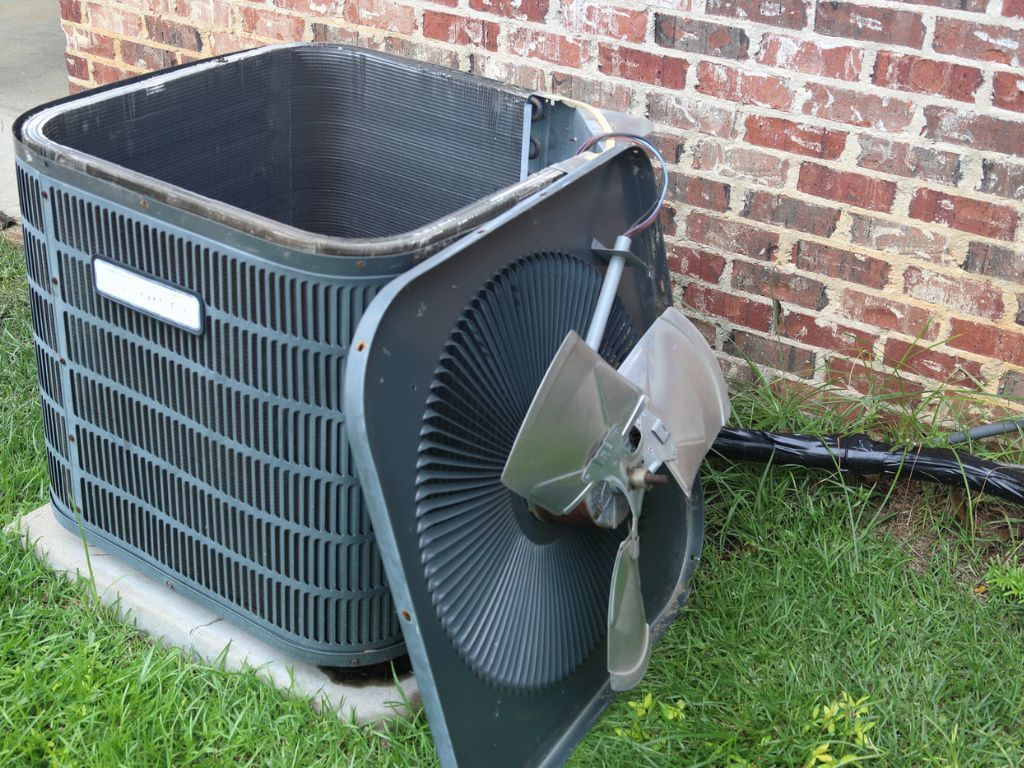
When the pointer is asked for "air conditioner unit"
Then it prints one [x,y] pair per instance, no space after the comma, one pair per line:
[294,310]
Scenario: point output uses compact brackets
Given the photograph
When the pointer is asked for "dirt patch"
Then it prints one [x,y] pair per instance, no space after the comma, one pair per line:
[905,526]
[916,514]
[11,232]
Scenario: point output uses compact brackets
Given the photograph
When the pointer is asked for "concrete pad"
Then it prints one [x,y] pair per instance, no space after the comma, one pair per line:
[175,621]
[32,71]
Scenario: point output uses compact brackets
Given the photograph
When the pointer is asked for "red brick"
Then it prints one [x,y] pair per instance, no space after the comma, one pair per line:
[731,235]
[695,263]
[999,177]
[861,22]
[380,14]
[868,381]
[146,56]
[771,352]
[669,144]
[846,187]
[931,364]
[769,281]
[71,10]
[707,330]
[523,75]
[974,130]
[634,64]
[973,6]
[729,83]
[1013,8]
[995,261]
[589,18]
[790,212]
[702,193]
[844,265]
[740,310]
[965,214]
[178,35]
[971,297]
[667,219]
[326,8]
[86,41]
[547,46]
[842,62]
[866,110]
[778,13]
[103,74]
[600,92]
[816,332]
[900,239]
[987,341]
[460,30]
[77,67]
[327,33]
[924,163]
[525,10]
[114,20]
[216,14]
[740,162]
[225,42]
[703,37]
[892,315]
[416,49]
[810,140]
[913,73]
[685,113]
[1008,91]
[984,42]
[1013,381]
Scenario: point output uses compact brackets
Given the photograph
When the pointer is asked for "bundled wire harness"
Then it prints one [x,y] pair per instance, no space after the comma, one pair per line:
[861,455]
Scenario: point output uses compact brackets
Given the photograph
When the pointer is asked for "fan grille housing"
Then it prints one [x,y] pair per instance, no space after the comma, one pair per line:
[523,601]
[509,705]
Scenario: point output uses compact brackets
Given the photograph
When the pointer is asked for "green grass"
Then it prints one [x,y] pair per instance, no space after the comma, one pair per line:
[809,589]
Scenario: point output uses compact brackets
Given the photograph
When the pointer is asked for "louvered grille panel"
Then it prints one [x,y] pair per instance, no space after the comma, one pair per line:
[218,459]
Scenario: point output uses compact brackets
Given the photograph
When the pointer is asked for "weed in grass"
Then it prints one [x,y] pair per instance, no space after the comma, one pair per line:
[804,592]
[1007,581]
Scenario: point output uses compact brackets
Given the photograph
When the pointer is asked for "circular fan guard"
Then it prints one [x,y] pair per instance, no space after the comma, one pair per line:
[524,602]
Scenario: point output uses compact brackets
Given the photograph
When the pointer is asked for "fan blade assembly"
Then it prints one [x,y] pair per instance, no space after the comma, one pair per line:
[595,437]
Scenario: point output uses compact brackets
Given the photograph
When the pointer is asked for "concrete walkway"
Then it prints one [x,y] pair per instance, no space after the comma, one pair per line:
[32,71]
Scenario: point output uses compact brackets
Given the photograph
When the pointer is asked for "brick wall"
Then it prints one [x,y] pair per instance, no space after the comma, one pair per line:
[847,177]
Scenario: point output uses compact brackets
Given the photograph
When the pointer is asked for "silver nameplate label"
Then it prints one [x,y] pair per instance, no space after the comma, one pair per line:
[154,298]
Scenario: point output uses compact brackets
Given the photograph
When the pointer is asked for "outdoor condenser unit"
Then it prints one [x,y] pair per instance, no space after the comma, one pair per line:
[311,321]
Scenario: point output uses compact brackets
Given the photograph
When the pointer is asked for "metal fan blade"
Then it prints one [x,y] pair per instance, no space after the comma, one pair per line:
[629,635]
[674,367]
[579,401]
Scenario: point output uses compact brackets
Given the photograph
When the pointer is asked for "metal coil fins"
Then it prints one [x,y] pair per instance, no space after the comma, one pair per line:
[524,602]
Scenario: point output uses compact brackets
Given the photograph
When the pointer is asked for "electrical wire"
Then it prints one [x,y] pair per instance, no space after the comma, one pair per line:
[648,218]
[861,455]
[986,430]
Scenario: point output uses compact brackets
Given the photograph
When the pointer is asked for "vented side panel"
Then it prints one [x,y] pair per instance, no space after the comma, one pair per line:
[218,460]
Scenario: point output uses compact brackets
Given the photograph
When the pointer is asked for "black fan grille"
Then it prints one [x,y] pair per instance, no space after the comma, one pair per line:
[524,602]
